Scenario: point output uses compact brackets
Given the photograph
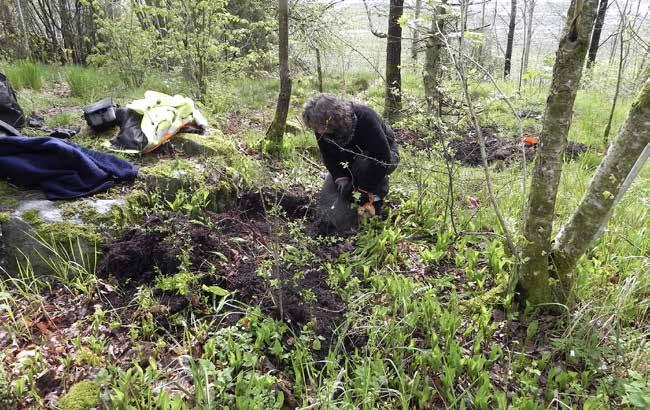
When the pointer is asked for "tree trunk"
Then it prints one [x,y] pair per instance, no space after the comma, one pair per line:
[416,32]
[528,16]
[617,90]
[619,74]
[540,212]
[393,100]
[24,36]
[529,34]
[524,19]
[319,69]
[595,37]
[276,130]
[511,38]
[432,56]
[606,187]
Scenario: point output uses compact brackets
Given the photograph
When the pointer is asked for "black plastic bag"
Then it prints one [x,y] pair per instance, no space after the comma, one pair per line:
[131,135]
[10,111]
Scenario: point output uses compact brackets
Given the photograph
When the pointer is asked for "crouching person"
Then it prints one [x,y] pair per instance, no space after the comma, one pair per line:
[359,151]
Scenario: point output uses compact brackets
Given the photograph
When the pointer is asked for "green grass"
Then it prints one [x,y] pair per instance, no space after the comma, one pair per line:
[64,118]
[591,115]
[25,74]
[87,83]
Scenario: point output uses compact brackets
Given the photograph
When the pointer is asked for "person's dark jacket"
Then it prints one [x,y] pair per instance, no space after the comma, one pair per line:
[373,142]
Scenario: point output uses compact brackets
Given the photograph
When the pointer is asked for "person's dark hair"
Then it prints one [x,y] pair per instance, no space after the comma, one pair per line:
[332,112]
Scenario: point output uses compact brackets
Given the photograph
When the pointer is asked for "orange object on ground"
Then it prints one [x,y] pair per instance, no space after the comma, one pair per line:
[530,140]
[368,209]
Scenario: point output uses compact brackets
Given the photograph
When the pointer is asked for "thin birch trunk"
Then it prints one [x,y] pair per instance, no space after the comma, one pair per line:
[619,74]
[529,35]
[523,50]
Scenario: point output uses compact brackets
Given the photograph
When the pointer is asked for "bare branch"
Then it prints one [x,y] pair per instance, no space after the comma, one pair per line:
[372,29]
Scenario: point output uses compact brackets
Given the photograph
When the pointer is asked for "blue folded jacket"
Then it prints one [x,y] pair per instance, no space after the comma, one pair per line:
[60,169]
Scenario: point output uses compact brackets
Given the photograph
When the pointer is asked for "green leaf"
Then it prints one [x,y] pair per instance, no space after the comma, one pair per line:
[215,290]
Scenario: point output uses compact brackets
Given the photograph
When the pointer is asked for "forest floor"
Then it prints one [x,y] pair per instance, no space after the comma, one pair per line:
[205,284]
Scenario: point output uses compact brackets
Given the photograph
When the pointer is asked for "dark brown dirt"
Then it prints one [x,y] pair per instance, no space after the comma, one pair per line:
[296,203]
[468,150]
[324,313]
[227,255]
[134,257]
[409,138]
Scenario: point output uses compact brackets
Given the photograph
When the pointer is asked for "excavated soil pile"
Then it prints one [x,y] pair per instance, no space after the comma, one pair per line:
[227,252]
[468,150]
[409,138]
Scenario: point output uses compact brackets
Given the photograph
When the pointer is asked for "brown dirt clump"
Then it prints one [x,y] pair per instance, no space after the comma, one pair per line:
[227,252]
[296,203]
[134,258]
[309,299]
[468,150]
[409,138]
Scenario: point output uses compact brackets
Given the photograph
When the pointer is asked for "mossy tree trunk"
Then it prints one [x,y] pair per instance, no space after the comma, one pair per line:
[393,99]
[511,38]
[535,268]
[276,130]
[607,185]
[432,59]
[416,32]
[319,69]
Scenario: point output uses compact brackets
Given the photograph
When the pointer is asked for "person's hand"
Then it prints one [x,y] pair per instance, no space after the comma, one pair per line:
[344,186]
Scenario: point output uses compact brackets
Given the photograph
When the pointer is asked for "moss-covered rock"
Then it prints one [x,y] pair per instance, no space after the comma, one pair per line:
[8,196]
[33,240]
[212,176]
[82,396]
[215,144]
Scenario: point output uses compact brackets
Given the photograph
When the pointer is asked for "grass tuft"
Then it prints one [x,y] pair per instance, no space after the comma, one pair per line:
[25,74]
[87,83]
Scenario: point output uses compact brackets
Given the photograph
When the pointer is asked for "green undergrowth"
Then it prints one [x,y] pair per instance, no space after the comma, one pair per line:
[425,323]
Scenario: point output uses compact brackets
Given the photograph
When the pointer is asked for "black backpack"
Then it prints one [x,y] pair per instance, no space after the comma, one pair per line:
[10,111]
